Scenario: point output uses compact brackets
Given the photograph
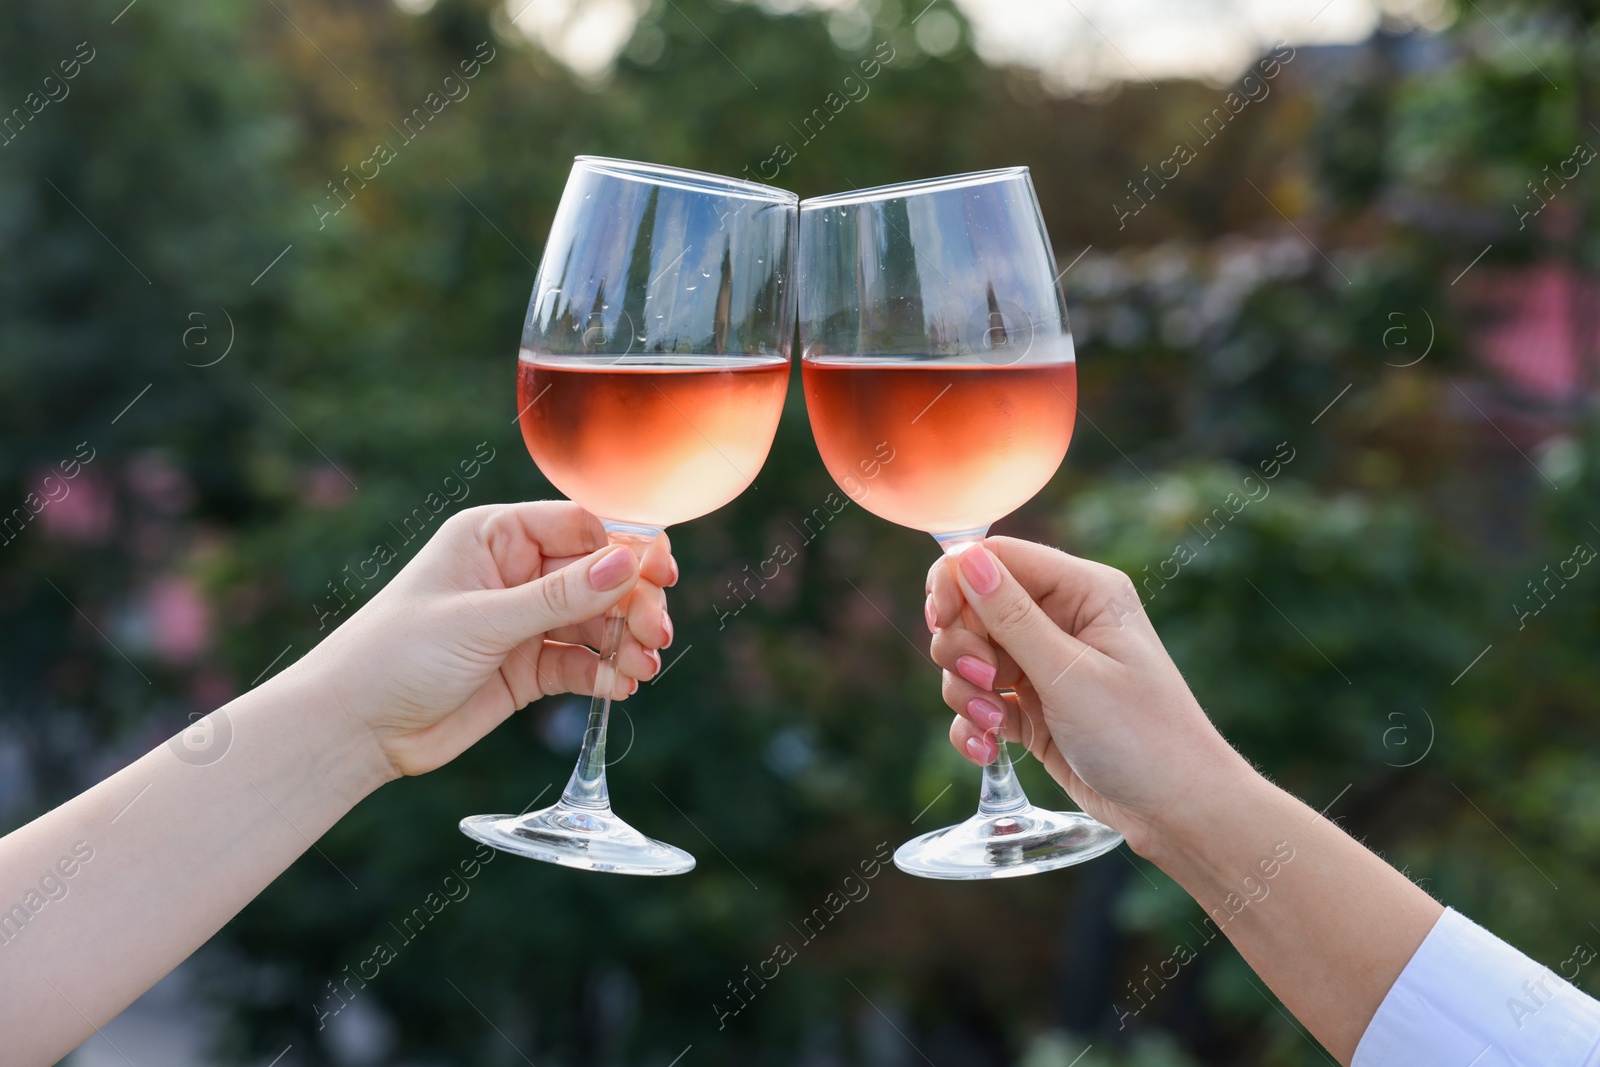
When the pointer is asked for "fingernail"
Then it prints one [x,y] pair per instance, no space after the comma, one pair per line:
[655,657]
[611,569]
[985,713]
[930,614]
[633,686]
[980,569]
[666,624]
[674,563]
[976,671]
[978,749]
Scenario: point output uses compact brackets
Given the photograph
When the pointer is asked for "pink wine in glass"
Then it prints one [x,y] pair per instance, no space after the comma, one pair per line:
[937,362]
[972,441]
[648,438]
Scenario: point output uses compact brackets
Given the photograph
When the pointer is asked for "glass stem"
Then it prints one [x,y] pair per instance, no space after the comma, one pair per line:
[587,786]
[1000,793]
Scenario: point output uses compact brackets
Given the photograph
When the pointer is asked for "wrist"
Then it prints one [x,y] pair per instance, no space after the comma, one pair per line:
[335,742]
[1206,836]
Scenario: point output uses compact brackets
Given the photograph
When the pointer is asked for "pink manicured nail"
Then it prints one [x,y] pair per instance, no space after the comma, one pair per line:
[976,671]
[655,657]
[930,614]
[985,713]
[980,569]
[611,569]
[978,748]
[674,563]
[666,624]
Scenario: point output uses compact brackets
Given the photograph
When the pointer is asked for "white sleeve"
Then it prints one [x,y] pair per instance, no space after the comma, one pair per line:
[1468,998]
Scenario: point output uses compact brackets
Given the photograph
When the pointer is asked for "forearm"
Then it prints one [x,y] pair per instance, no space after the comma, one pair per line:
[167,851]
[1326,924]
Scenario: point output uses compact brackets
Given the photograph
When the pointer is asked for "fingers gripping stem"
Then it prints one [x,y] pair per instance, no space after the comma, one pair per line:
[1001,792]
[587,786]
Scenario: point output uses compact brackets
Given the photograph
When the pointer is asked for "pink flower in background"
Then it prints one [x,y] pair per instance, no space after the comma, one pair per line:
[87,513]
[325,487]
[1535,335]
[178,619]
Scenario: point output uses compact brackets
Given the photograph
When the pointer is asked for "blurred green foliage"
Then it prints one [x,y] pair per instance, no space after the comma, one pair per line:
[172,205]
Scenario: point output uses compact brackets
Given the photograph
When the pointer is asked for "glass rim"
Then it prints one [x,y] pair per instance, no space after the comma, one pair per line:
[695,181]
[900,190]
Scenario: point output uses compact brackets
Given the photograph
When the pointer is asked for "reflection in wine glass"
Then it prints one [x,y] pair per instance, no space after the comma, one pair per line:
[653,369]
[931,321]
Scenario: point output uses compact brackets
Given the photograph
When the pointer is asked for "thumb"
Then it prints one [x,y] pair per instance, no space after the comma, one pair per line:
[582,589]
[1014,620]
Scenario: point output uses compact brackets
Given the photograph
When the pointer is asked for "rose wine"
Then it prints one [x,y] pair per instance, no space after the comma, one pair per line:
[969,441]
[646,438]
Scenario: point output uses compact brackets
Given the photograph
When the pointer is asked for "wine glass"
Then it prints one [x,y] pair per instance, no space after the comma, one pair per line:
[933,333]
[653,368]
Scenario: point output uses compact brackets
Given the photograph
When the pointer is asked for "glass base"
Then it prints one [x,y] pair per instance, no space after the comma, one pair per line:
[1026,841]
[588,838]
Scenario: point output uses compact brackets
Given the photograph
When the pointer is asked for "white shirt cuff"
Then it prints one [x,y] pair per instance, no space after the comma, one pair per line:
[1467,997]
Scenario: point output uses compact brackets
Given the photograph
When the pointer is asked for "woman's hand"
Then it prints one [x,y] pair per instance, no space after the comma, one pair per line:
[1104,708]
[493,612]
[500,608]
[1094,694]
